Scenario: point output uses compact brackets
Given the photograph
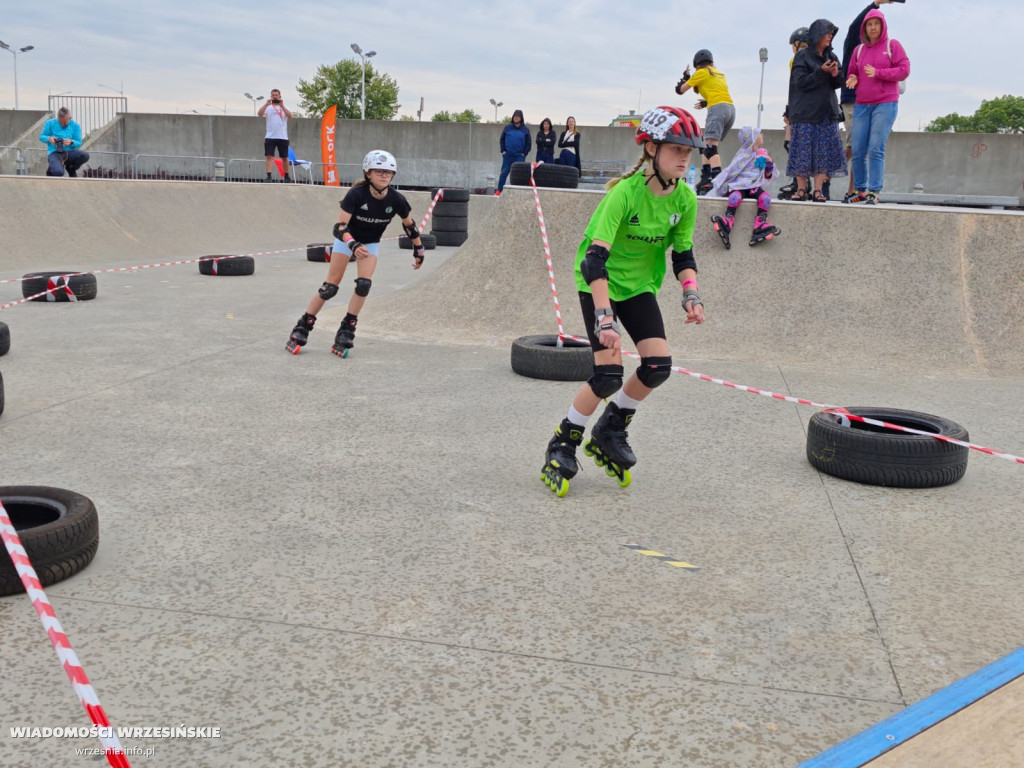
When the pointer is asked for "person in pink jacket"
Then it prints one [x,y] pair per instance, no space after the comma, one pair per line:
[878,66]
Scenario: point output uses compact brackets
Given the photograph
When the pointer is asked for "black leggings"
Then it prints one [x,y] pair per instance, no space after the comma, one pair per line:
[640,317]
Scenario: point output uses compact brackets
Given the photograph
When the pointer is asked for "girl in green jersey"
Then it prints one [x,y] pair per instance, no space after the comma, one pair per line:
[620,266]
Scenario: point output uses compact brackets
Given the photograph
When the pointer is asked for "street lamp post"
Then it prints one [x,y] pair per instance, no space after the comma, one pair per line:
[496,104]
[251,98]
[112,88]
[763,54]
[364,57]
[15,53]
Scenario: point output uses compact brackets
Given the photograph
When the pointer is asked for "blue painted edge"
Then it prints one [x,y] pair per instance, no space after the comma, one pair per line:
[879,739]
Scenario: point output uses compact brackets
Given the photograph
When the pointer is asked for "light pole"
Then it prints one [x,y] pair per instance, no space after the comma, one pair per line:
[496,104]
[15,53]
[112,88]
[251,98]
[364,57]
[223,109]
[763,54]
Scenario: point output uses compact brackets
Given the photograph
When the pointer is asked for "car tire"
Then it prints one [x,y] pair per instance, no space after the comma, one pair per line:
[865,453]
[429,242]
[5,339]
[59,530]
[540,357]
[451,195]
[319,252]
[227,266]
[81,284]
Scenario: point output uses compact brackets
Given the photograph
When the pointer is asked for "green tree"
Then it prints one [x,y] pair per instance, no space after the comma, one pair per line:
[342,84]
[465,116]
[1002,115]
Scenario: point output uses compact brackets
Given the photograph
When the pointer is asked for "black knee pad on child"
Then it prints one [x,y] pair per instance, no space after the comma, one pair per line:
[607,380]
[710,151]
[654,371]
[328,291]
[363,286]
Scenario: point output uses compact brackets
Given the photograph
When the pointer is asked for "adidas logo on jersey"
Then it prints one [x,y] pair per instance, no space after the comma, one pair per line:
[364,207]
[635,221]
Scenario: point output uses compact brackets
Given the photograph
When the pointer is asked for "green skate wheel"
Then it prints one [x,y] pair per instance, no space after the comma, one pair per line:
[625,480]
[344,352]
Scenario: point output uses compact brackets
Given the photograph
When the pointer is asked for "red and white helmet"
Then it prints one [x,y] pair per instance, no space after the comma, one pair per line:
[669,125]
[378,158]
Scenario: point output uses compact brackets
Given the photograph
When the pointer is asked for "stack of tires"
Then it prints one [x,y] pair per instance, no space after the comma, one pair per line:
[450,220]
[545,175]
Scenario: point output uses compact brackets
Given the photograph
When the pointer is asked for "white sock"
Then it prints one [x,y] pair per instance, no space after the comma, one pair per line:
[577,418]
[625,401]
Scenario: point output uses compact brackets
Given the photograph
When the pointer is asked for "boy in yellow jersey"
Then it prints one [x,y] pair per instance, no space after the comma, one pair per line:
[710,84]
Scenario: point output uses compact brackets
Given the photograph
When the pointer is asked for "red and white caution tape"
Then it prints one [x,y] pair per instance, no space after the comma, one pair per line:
[752,390]
[547,254]
[55,284]
[86,694]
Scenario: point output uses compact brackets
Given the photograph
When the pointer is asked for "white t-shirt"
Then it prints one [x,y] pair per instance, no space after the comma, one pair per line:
[277,122]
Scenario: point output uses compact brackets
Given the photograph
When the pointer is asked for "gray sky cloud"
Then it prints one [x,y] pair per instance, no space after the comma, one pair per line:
[593,59]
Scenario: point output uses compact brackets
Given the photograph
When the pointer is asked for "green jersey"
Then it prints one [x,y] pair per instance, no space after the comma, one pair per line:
[641,227]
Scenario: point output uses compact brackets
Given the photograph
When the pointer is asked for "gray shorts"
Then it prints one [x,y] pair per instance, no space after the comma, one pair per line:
[719,121]
[848,122]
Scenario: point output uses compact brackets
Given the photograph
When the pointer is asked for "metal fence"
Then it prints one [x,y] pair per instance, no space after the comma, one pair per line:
[90,112]
[177,167]
[32,161]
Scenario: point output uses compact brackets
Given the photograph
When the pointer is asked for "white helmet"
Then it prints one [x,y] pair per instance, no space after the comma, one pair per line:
[378,158]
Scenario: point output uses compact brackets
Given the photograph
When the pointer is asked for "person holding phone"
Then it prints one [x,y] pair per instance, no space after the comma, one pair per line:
[276,114]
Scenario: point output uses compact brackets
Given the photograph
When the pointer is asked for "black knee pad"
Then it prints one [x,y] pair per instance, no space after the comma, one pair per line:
[328,291]
[606,381]
[363,286]
[654,371]
[710,151]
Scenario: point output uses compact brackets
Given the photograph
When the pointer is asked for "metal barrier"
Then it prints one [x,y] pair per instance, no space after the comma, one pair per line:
[101,165]
[255,170]
[176,167]
[12,161]
[90,112]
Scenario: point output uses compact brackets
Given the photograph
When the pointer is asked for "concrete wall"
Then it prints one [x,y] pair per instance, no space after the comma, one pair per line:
[14,122]
[463,154]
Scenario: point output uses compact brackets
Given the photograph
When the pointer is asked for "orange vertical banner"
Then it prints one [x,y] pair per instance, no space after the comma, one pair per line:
[327,145]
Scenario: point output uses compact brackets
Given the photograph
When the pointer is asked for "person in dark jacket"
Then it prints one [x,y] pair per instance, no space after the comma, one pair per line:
[569,143]
[815,149]
[515,146]
[546,138]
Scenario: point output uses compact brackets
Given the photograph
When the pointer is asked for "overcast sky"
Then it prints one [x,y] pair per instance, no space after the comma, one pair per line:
[592,59]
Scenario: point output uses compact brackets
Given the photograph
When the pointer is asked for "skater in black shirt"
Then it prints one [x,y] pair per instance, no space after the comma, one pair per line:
[366,211]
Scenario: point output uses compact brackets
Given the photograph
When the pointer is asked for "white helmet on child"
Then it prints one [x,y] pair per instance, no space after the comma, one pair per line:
[380,159]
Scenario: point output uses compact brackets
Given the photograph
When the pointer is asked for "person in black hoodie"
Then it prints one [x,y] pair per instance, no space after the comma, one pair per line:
[815,149]
[515,146]
[546,138]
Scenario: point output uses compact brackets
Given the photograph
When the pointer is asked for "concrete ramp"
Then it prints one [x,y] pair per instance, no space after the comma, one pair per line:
[880,288]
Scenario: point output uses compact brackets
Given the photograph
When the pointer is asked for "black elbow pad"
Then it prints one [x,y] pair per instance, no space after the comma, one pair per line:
[593,265]
[681,261]
[411,232]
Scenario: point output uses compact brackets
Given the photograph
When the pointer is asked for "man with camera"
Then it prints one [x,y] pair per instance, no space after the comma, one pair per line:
[277,115]
[63,137]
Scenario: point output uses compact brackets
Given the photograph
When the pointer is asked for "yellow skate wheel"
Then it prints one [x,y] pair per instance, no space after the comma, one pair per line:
[625,480]
[562,489]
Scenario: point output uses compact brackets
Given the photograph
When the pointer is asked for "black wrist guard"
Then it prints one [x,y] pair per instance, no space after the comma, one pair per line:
[411,231]
[419,252]
[353,244]
[593,265]
[340,230]
[681,261]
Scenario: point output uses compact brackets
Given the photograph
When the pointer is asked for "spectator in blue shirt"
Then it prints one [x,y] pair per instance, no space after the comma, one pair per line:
[515,145]
[63,139]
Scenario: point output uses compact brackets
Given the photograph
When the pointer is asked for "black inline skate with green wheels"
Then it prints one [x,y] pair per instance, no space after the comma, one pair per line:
[560,464]
[608,446]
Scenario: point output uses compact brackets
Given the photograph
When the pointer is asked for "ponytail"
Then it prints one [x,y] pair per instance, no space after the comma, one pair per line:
[639,164]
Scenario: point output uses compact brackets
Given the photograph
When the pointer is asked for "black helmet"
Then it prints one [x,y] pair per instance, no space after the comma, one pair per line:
[799,36]
[703,56]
